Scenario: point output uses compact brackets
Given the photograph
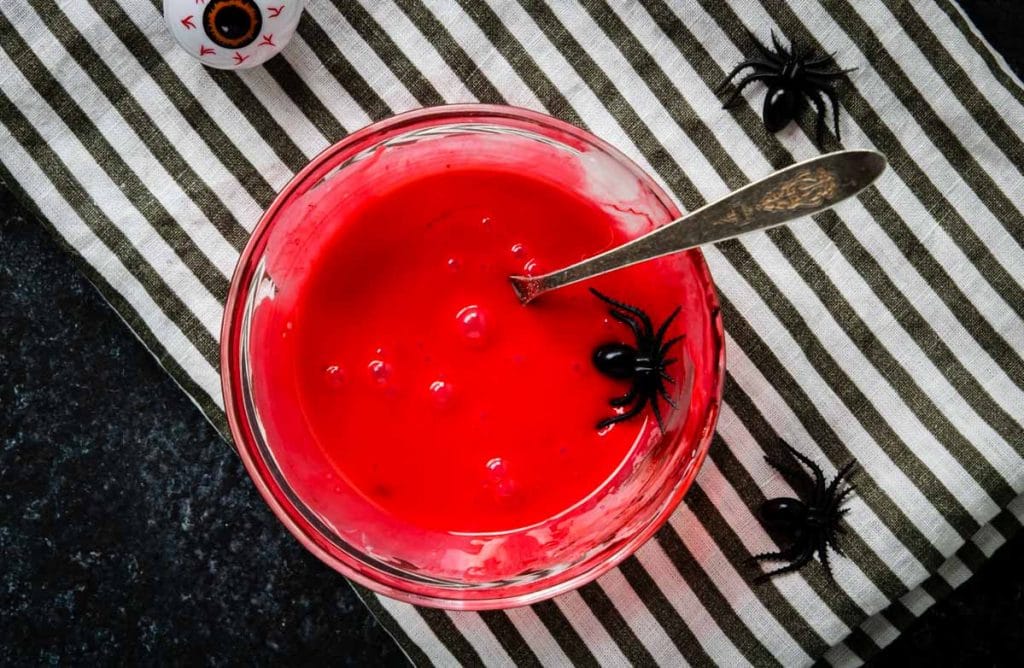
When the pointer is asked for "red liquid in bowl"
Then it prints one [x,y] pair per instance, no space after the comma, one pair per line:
[421,377]
[406,418]
[427,383]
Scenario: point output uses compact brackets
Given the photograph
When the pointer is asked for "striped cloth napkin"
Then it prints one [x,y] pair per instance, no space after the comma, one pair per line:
[890,330]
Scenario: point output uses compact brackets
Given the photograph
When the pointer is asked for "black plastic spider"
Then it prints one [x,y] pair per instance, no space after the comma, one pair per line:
[643,363]
[793,76]
[809,524]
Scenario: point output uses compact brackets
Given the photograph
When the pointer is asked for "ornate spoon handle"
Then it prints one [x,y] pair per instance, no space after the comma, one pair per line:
[801,189]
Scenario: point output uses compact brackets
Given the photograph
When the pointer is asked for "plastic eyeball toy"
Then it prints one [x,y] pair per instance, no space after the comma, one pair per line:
[232,34]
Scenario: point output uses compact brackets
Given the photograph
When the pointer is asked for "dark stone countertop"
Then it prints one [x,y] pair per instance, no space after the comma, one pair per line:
[130,533]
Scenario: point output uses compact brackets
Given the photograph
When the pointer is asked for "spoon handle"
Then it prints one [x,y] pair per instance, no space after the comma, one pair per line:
[802,189]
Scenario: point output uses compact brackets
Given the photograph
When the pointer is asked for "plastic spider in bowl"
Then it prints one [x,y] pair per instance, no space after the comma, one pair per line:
[644,363]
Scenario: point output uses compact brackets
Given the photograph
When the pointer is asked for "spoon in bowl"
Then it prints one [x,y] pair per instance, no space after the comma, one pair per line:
[802,189]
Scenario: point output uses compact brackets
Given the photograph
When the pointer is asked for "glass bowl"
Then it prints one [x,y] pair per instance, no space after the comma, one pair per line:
[456,570]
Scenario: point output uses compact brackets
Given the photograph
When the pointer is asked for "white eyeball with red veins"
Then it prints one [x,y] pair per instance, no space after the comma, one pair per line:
[232,34]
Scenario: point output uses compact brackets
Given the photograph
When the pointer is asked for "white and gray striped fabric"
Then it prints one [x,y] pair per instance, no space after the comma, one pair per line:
[890,330]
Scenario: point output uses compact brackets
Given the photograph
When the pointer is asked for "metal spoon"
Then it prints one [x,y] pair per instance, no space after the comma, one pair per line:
[802,189]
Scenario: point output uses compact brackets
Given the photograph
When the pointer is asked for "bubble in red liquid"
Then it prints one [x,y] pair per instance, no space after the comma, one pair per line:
[498,478]
[335,376]
[486,220]
[472,323]
[453,264]
[441,392]
[532,268]
[381,372]
[518,250]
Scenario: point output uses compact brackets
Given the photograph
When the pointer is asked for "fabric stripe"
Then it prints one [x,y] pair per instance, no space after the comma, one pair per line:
[104,154]
[145,24]
[417,627]
[540,640]
[371,69]
[509,637]
[71,190]
[384,46]
[477,633]
[974,96]
[603,646]
[570,641]
[661,608]
[618,628]
[996,64]
[639,618]
[144,315]
[950,218]
[442,626]
[128,85]
[491,25]
[984,183]
[141,124]
[413,652]
[220,124]
[461,64]
[342,70]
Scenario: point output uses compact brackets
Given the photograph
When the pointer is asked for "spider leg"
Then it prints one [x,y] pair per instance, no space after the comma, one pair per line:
[823,556]
[757,65]
[833,542]
[778,47]
[821,60]
[830,92]
[749,79]
[668,344]
[657,414]
[819,105]
[667,377]
[629,322]
[798,563]
[842,496]
[643,317]
[667,397]
[624,399]
[819,477]
[764,50]
[825,76]
[665,325]
[771,556]
[790,473]
[841,475]
[635,410]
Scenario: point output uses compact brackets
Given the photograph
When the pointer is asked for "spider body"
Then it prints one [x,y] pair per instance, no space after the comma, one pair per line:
[793,77]
[808,525]
[644,362]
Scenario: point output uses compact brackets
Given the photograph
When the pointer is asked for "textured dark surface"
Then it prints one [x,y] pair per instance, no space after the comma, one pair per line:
[130,533]
[129,530]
